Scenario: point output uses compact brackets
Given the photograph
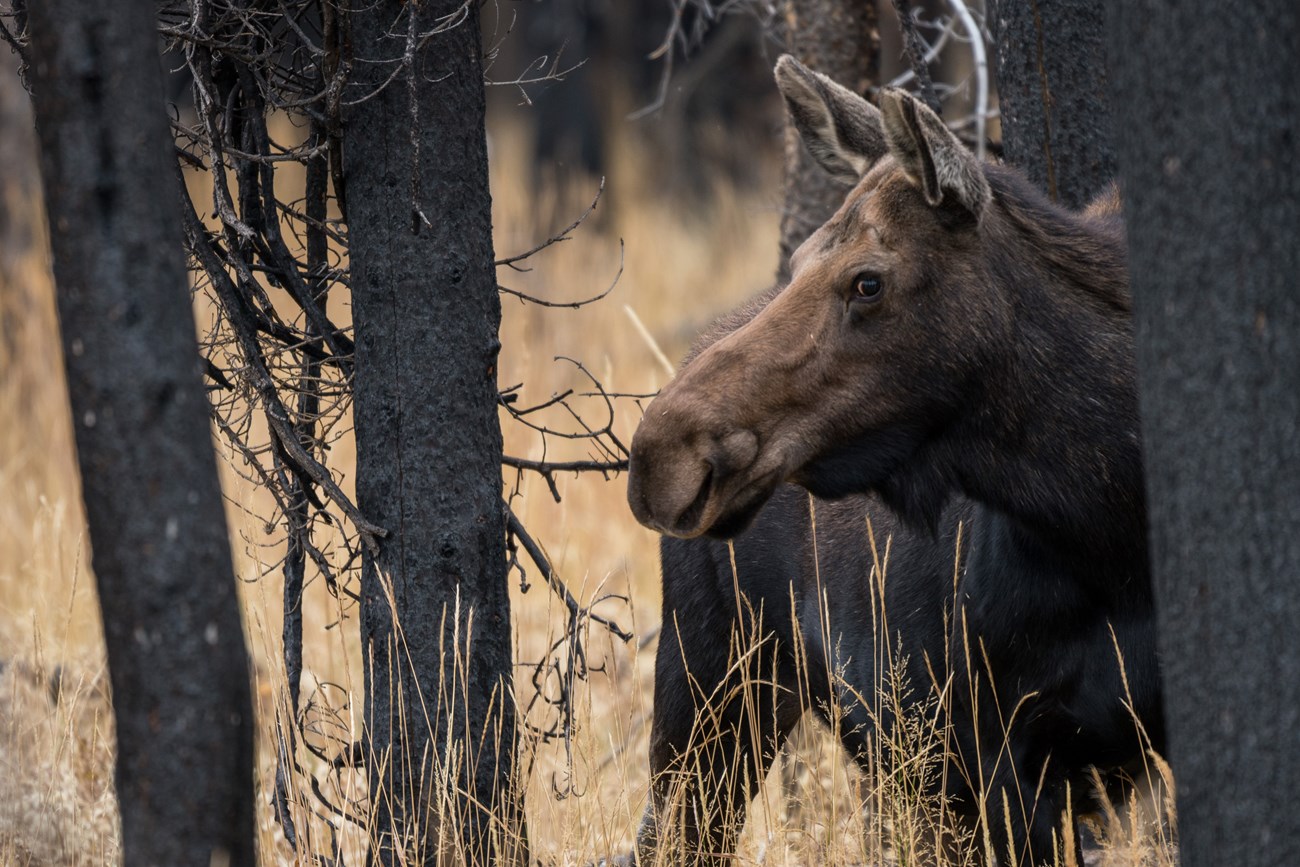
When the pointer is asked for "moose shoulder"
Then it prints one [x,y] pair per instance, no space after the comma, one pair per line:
[951,366]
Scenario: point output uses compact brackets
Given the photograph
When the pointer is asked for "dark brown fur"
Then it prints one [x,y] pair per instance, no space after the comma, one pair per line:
[989,386]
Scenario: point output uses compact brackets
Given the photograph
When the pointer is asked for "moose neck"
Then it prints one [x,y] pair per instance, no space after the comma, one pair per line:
[1053,443]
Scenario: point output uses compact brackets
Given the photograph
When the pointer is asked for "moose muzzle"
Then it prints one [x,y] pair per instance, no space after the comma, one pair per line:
[687,478]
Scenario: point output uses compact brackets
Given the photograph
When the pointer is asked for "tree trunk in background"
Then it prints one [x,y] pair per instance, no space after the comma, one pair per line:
[1051,77]
[27,320]
[18,186]
[435,615]
[149,477]
[1208,116]
[840,39]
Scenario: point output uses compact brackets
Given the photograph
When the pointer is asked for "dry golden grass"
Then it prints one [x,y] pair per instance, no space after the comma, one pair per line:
[56,803]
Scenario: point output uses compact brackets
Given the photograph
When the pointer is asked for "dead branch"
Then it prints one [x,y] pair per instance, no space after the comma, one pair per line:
[914,48]
[562,235]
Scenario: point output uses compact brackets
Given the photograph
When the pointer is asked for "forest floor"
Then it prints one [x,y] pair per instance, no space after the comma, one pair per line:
[686,260]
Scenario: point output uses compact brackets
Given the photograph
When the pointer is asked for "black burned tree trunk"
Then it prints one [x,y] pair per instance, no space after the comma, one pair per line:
[1051,76]
[842,40]
[1209,132]
[435,612]
[153,504]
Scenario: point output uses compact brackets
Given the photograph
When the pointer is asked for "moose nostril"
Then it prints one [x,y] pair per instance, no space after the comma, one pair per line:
[736,451]
[689,518]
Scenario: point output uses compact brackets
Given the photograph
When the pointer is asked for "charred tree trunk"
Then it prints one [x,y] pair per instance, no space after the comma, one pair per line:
[840,39]
[1051,77]
[1207,153]
[153,504]
[435,615]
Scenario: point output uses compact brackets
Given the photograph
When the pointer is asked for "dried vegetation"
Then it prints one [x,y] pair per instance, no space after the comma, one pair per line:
[586,791]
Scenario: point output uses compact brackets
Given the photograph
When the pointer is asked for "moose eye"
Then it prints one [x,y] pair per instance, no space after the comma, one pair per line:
[867,287]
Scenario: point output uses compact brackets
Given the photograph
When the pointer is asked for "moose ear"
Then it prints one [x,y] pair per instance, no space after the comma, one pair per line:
[940,165]
[842,130]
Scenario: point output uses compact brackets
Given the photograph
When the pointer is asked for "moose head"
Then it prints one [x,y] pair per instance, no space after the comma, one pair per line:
[852,377]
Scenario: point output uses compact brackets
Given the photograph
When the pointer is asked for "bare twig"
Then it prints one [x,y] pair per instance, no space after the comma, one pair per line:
[980,57]
[276,415]
[516,528]
[930,55]
[562,235]
[565,663]
[14,44]
[914,48]
[531,299]
[664,52]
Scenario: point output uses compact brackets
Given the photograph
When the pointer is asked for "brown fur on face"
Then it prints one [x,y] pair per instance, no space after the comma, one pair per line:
[815,368]
[839,394]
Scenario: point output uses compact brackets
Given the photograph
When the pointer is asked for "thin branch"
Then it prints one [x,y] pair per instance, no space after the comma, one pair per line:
[548,467]
[562,235]
[516,528]
[914,48]
[980,57]
[14,44]
[276,415]
[541,302]
[930,55]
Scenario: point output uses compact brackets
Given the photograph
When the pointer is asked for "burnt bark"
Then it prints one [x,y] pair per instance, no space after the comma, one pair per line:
[161,559]
[435,615]
[840,39]
[1051,78]
[1207,152]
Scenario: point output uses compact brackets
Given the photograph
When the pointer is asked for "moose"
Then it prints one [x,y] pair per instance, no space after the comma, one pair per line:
[948,376]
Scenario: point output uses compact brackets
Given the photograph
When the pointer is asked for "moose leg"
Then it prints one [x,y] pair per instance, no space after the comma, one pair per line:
[1030,805]
[720,711]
